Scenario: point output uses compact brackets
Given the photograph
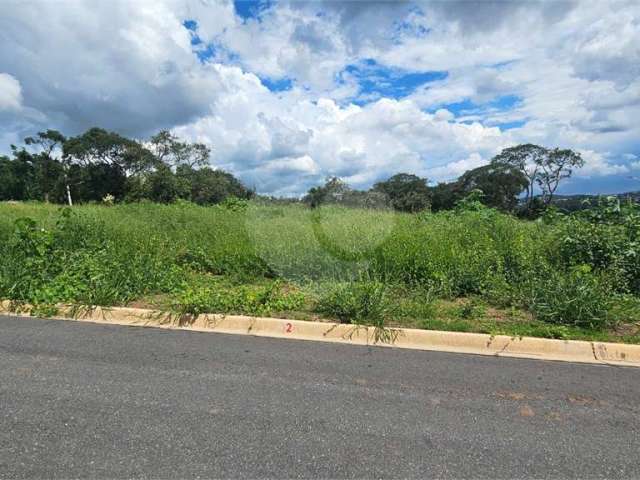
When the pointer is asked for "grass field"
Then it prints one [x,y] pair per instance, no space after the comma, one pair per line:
[464,270]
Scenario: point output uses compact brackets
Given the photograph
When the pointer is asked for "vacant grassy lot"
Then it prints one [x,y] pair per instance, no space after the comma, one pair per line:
[466,270]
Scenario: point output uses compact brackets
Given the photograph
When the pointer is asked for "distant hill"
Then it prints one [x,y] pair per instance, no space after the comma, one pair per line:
[580,202]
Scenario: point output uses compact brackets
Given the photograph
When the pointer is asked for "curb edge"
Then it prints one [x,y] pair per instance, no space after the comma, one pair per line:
[456,342]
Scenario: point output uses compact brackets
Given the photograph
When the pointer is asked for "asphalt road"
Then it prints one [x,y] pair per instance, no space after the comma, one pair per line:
[79,400]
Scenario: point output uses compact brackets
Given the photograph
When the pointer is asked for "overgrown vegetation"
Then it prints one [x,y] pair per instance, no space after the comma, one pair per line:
[469,269]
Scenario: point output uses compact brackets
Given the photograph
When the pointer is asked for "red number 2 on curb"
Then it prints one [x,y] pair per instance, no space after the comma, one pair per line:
[288,328]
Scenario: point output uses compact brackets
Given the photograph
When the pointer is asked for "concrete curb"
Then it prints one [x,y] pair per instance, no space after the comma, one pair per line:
[474,343]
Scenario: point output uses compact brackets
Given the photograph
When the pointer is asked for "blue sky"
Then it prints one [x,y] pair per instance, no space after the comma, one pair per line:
[377,81]
[287,93]
[250,9]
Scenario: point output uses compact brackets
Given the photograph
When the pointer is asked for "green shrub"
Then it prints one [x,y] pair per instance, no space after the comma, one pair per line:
[575,298]
[75,260]
[235,204]
[470,309]
[263,300]
[356,302]
[606,241]
[414,304]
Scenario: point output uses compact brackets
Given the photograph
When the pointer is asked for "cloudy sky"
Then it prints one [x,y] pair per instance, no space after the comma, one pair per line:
[289,92]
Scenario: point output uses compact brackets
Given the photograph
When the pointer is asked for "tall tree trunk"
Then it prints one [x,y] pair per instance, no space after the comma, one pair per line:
[529,195]
[69,195]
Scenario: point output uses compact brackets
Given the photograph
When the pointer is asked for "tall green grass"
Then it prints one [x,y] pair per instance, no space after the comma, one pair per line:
[110,255]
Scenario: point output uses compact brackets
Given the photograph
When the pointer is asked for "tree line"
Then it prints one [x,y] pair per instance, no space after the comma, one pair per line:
[99,165]
[500,184]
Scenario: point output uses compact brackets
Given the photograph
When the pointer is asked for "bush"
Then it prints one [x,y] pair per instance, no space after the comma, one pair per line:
[575,298]
[356,302]
[235,204]
[246,300]
[75,260]
[607,239]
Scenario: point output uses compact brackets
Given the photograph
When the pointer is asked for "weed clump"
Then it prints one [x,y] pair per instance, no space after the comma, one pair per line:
[262,300]
[356,302]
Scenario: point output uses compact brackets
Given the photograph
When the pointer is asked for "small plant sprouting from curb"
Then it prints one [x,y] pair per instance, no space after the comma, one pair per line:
[362,303]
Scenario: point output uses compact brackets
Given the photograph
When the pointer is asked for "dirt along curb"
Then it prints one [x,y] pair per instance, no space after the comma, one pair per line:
[474,343]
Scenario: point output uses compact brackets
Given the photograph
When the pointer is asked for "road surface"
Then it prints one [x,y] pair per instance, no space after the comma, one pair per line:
[101,401]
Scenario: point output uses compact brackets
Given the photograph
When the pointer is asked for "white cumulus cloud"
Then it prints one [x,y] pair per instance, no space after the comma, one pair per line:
[10,93]
[133,67]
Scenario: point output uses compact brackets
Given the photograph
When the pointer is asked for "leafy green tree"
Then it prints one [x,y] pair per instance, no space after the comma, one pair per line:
[169,149]
[99,151]
[47,167]
[314,197]
[71,185]
[162,185]
[96,181]
[473,201]
[444,196]
[207,186]
[333,191]
[527,159]
[500,184]
[365,199]
[17,178]
[406,192]
[555,166]
[541,166]
[136,189]
[97,145]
